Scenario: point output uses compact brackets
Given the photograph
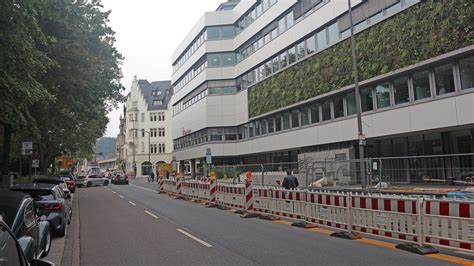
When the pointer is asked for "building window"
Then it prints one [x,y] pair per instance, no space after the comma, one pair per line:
[228,31]
[283,60]
[400,90]
[228,59]
[421,85]
[314,113]
[444,79]
[230,133]
[130,117]
[276,64]
[213,60]
[152,117]
[157,102]
[213,33]
[366,99]
[251,130]
[322,40]
[310,45]
[304,116]
[286,120]
[292,55]
[264,127]
[161,132]
[277,123]
[281,25]
[466,67]
[338,103]
[382,94]
[295,118]
[271,125]
[216,134]
[326,110]
[162,148]
[333,31]
[300,50]
[290,21]
[351,103]
[161,116]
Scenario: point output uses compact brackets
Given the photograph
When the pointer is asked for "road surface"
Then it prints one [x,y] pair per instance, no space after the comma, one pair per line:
[133,225]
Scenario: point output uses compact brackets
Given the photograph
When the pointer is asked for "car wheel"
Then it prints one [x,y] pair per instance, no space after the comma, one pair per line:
[89,184]
[62,231]
[106,182]
[48,242]
[73,190]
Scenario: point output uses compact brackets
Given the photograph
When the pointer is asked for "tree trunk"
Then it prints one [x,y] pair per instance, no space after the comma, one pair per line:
[7,137]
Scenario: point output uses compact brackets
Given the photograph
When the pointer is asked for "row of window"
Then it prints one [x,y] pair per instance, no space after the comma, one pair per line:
[210,91]
[422,85]
[156,148]
[198,41]
[252,14]
[157,132]
[190,74]
[276,28]
[157,116]
[223,32]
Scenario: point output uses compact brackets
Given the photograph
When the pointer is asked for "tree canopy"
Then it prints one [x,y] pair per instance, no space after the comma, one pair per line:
[59,73]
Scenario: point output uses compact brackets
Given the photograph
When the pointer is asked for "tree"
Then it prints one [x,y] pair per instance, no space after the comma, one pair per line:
[21,63]
[84,82]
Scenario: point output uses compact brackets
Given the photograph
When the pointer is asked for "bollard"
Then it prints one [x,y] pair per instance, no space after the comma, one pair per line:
[161,186]
[178,188]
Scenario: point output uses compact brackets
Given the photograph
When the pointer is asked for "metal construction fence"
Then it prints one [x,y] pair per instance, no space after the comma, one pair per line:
[374,172]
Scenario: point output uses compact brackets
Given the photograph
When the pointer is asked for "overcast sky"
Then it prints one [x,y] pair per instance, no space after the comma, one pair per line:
[148,32]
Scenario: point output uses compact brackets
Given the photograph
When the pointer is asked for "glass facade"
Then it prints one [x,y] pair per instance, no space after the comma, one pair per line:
[400,90]
[466,67]
[382,94]
[421,85]
[444,79]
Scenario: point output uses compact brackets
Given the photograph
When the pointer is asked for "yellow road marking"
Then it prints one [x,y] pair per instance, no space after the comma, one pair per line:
[283,222]
[377,243]
[320,230]
[451,259]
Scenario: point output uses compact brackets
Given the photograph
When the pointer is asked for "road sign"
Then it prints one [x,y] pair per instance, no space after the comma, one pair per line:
[208,156]
[27,148]
[35,163]
[174,165]
[213,176]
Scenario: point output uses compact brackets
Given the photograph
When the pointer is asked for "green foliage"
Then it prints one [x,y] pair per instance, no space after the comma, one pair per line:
[428,29]
[59,73]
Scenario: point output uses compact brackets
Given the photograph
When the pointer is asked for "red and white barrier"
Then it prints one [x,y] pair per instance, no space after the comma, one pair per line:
[386,216]
[289,203]
[231,195]
[328,208]
[169,186]
[213,191]
[248,196]
[449,223]
[263,201]
[161,188]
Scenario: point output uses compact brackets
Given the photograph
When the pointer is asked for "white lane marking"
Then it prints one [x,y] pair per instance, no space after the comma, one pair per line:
[194,238]
[143,188]
[132,203]
[121,196]
[114,192]
[151,214]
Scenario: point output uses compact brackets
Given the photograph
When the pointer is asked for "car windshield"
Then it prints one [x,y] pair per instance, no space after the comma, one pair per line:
[81,177]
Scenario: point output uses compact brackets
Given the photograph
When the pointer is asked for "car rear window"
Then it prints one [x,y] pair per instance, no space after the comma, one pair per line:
[66,178]
[81,177]
[40,195]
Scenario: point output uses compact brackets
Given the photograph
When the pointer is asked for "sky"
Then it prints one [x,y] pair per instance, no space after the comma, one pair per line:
[147,33]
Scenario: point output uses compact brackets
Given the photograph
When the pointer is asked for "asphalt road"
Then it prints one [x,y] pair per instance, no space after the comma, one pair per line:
[133,225]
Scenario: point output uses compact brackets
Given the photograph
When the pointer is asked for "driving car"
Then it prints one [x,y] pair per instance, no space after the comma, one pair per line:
[56,181]
[18,211]
[92,180]
[50,201]
[119,177]
[18,251]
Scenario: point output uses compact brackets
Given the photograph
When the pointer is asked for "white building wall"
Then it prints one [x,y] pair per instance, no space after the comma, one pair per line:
[141,154]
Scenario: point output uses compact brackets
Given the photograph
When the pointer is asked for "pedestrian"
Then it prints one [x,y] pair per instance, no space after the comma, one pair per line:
[290,181]
[152,175]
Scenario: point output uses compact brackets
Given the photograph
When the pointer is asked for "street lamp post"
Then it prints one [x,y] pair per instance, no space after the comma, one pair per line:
[361,136]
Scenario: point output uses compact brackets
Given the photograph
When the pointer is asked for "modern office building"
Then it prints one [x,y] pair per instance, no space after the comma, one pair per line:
[266,81]
[148,140]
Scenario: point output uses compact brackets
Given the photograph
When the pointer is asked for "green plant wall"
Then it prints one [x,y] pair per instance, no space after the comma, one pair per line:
[428,29]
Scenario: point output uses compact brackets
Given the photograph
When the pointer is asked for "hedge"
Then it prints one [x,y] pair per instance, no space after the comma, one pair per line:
[426,30]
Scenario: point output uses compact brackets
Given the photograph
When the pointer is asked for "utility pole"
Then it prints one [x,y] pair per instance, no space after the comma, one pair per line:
[361,136]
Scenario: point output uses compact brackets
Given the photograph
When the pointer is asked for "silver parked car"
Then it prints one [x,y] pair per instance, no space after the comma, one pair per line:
[93,180]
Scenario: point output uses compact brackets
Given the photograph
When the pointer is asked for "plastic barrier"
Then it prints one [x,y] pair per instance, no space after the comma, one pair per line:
[289,203]
[169,186]
[231,195]
[262,200]
[449,223]
[328,208]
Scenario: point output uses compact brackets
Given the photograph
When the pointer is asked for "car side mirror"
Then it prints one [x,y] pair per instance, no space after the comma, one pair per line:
[27,244]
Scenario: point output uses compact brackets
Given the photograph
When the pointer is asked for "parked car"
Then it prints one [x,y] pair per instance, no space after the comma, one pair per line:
[94,180]
[56,181]
[70,182]
[51,202]
[120,177]
[18,211]
[80,180]
[18,251]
